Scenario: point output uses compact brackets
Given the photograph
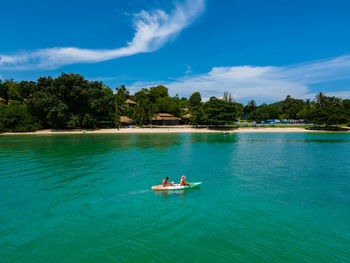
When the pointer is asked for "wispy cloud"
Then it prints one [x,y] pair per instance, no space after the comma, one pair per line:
[153,30]
[267,83]
[320,71]
[341,94]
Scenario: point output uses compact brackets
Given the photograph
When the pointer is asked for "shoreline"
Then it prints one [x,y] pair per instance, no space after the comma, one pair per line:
[171,130]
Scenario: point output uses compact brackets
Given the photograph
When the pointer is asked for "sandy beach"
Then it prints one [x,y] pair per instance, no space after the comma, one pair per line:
[164,130]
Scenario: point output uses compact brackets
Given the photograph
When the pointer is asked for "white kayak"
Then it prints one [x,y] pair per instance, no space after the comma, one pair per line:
[176,187]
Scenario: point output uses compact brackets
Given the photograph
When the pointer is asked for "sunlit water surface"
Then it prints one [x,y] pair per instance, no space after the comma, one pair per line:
[86,198]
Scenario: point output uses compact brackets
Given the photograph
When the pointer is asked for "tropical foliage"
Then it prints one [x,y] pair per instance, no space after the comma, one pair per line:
[70,101]
[323,110]
[216,111]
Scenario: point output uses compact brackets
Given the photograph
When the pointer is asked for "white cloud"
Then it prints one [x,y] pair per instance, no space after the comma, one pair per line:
[320,71]
[153,30]
[267,83]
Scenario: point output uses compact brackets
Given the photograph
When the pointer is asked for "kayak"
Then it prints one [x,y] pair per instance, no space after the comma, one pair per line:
[176,187]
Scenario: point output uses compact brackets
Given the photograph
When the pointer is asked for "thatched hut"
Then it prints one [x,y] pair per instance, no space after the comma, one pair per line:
[125,121]
[2,101]
[165,119]
[130,102]
[186,118]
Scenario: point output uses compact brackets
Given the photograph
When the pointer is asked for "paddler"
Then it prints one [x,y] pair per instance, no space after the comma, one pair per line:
[183,181]
[165,182]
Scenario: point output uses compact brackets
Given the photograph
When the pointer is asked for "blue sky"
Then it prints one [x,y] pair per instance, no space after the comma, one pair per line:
[255,49]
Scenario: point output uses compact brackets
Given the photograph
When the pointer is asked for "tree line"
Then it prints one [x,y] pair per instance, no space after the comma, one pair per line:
[70,101]
[323,110]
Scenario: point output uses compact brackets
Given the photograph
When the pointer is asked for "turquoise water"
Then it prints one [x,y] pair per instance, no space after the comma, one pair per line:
[86,198]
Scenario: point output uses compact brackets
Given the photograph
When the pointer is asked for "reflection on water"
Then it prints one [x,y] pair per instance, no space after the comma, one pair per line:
[295,138]
[122,196]
[58,146]
[214,138]
[155,141]
[298,141]
[321,141]
[180,193]
[79,144]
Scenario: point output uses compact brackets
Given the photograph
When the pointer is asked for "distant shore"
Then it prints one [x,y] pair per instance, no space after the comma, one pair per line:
[167,130]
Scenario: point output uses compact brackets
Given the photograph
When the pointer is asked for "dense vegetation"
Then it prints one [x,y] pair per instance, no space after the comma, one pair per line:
[69,101]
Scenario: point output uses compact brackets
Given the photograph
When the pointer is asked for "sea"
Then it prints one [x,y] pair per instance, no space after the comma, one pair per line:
[265,197]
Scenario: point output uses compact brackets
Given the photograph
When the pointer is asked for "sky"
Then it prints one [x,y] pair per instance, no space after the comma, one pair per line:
[254,49]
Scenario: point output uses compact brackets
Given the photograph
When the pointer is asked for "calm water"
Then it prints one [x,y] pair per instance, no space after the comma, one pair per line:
[87,198]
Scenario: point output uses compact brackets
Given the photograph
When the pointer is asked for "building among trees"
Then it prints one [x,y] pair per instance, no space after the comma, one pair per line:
[125,121]
[186,118]
[71,102]
[130,103]
[164,119]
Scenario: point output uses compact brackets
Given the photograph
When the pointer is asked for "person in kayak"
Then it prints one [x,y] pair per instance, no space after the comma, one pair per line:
[183,181]
[165,182]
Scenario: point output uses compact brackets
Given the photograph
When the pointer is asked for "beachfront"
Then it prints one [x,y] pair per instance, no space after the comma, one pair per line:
[168,130]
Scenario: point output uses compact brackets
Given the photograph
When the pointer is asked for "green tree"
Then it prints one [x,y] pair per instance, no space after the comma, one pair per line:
[198,115]
[3,90]
[250,107]
[168,105]
[291,107]
[16,117]
[328,110]
[13,91]
[183,103]
[158,92]
[346,104]
[70,101]
[120,97]
[265,112]
[26,88]
[195,100]
[145,109]
[220,112]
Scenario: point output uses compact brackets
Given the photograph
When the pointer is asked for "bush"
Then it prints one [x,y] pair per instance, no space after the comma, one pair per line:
[74,122]
[348,124]
[16,118]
